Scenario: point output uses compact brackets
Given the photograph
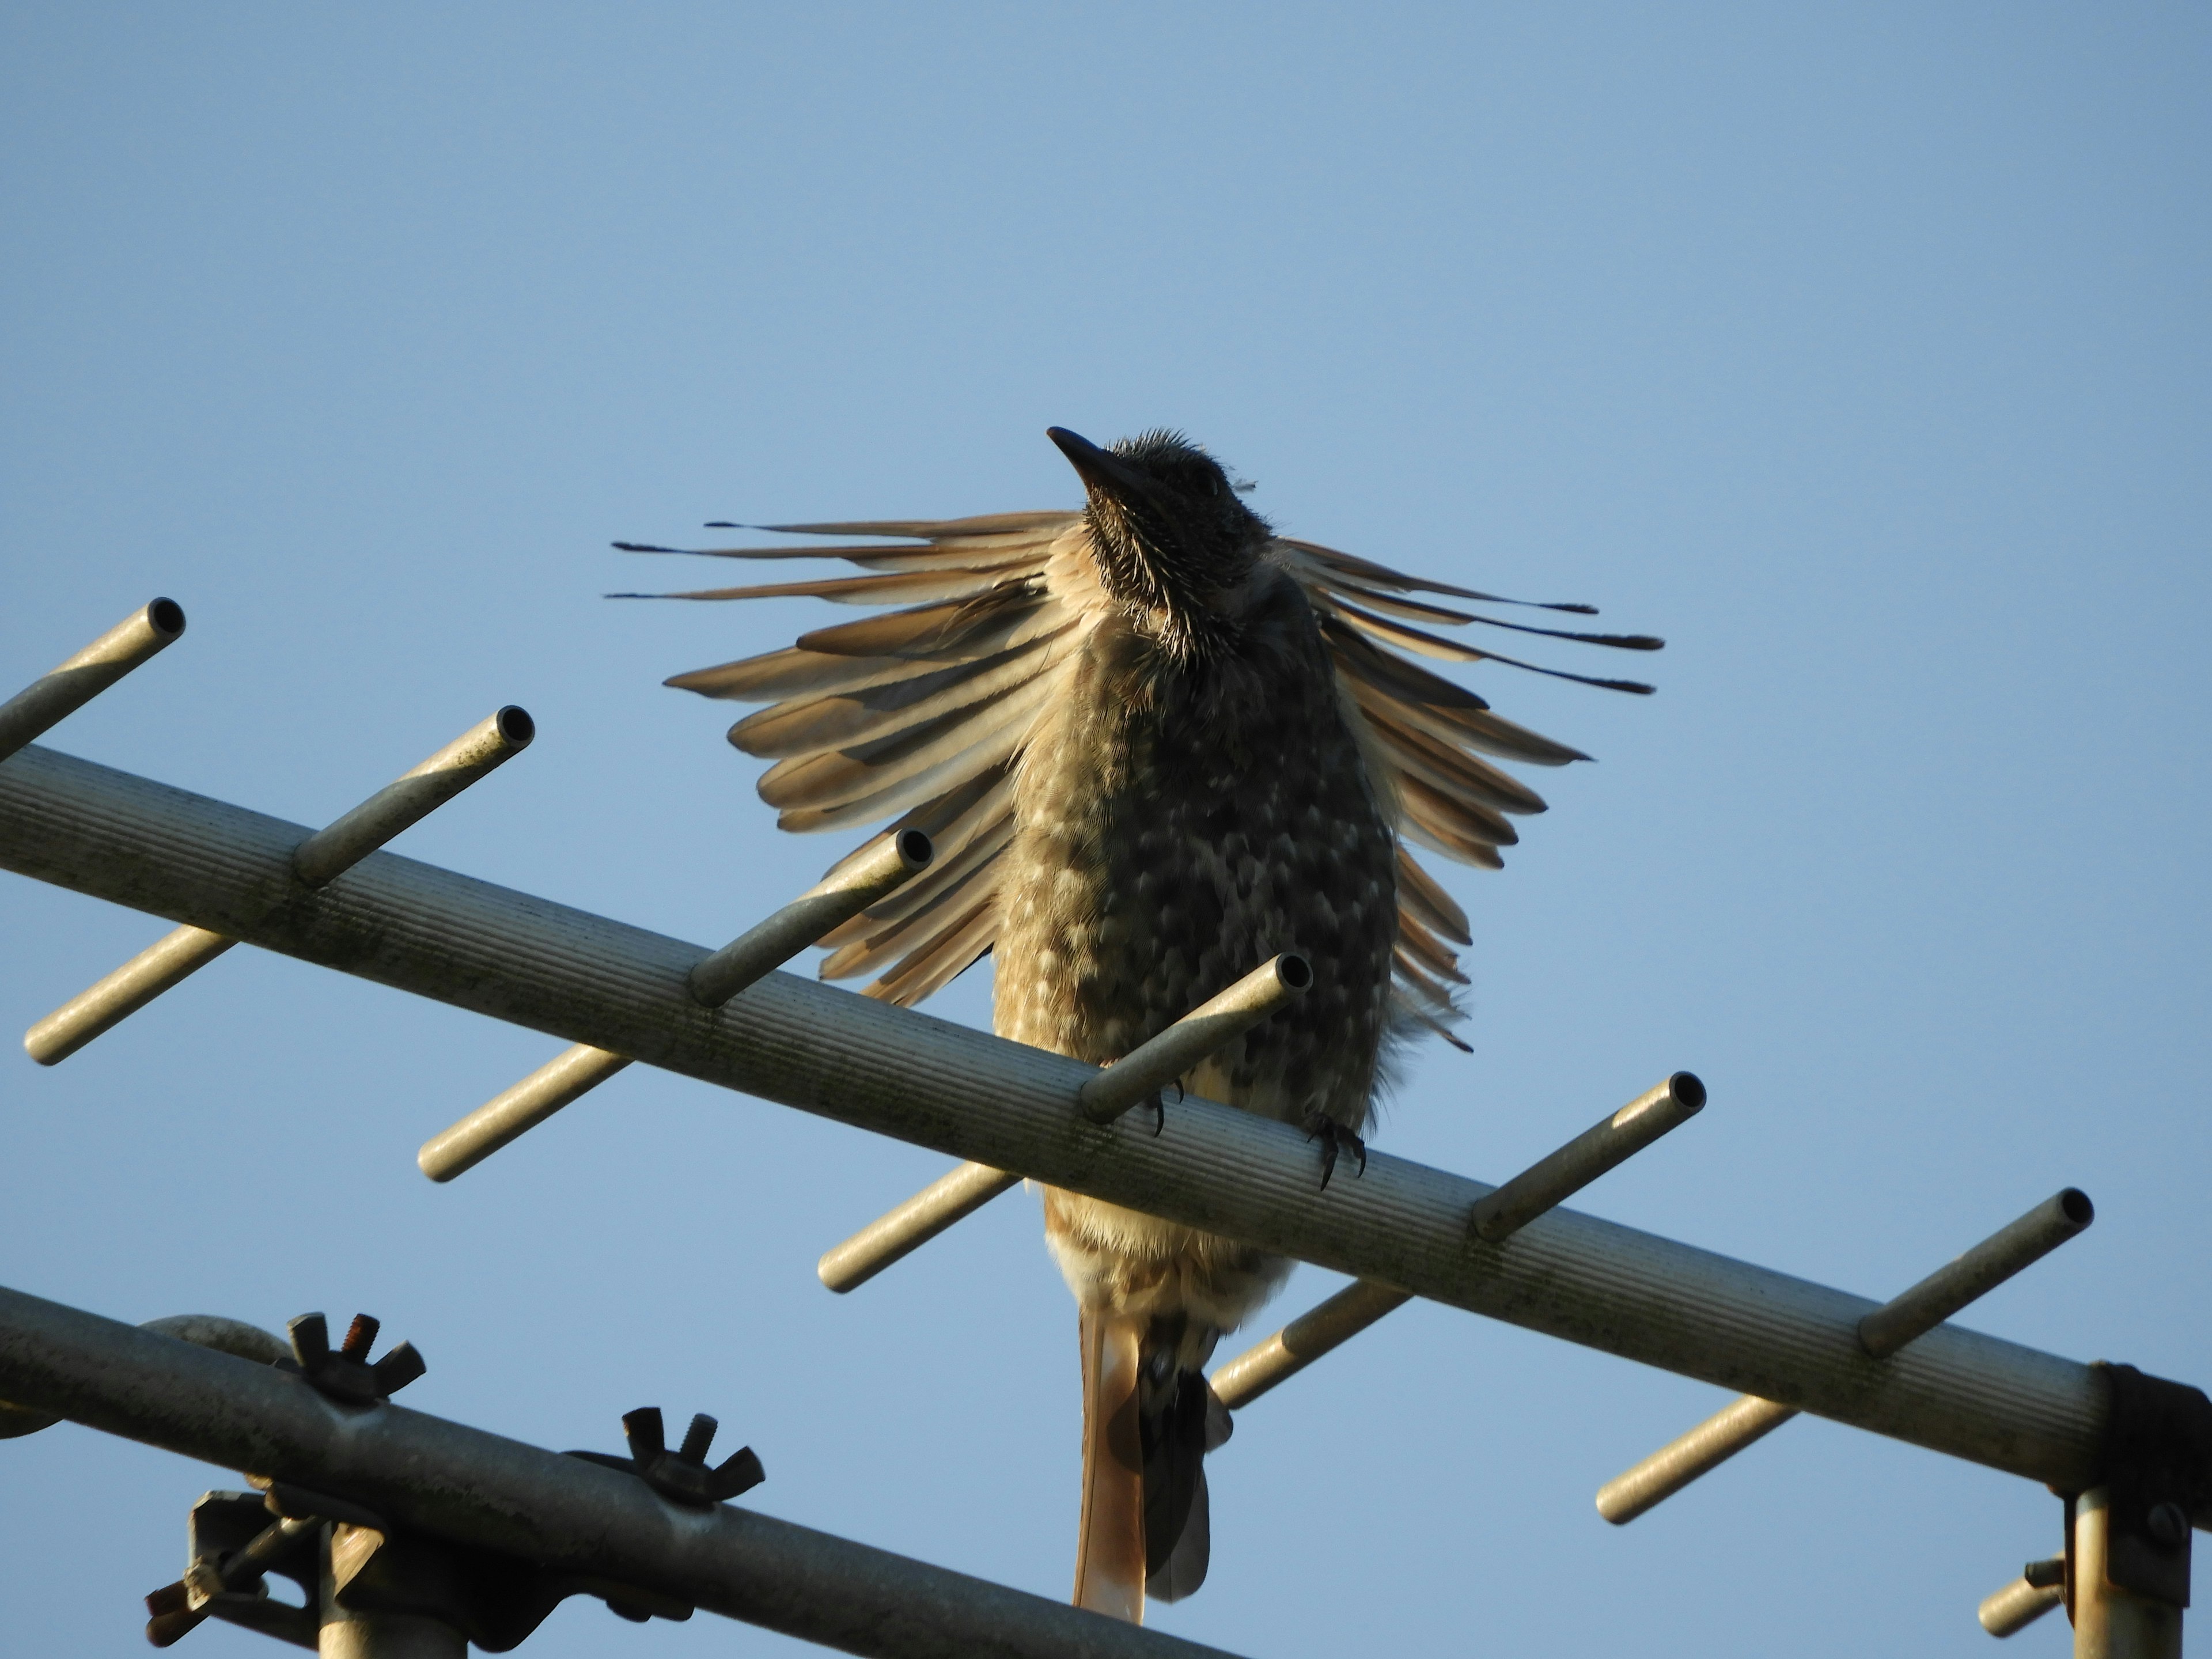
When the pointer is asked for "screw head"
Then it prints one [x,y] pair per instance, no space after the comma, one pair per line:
[2169,1524]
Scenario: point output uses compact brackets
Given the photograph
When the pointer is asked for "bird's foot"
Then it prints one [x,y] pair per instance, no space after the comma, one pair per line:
[1334,1137]
[1158,1104]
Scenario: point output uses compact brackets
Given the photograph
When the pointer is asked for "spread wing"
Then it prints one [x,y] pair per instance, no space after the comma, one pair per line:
[1427,739]
[919,715]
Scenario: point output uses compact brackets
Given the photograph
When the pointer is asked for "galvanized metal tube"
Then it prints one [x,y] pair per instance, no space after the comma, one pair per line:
[167,961]
[586,979]
[1105,1097]
[233,1336]
[1979,1271]
[1700,1452]
[1504,1212]
[2017,1606]
[413,795]
[317,860]
[352,1633]
[568,1076]
[465,1486]
[1551,1180]
[48,698]
[1881,1333]
[766,946]
[1146,1070]
[948,1199]
[1326,1324]
[2109,1622]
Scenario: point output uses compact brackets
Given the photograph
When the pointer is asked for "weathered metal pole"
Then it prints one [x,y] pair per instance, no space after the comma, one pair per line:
[2110,1622]
[1884,1332]
[1544,1185]
[53,697]
[963,1092]
[1139,1075]
[316,861]
[851,888]
[468,1487]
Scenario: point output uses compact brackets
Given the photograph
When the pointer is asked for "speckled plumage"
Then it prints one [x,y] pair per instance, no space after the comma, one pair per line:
[1155,744]
[1176,824]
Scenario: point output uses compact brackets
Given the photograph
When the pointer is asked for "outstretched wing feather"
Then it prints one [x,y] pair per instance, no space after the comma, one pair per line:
[923,712]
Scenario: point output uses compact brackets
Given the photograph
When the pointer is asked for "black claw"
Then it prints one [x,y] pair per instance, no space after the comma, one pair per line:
[1159,1115]
[1334,1136]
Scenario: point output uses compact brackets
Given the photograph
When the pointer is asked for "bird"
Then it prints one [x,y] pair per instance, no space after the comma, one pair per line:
[1155,743]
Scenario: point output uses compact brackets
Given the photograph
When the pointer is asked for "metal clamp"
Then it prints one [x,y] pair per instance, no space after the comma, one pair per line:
[233,1544]
[346,1375]
[682,1475]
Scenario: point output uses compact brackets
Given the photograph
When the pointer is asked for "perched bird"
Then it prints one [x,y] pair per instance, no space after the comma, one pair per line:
[1156,744]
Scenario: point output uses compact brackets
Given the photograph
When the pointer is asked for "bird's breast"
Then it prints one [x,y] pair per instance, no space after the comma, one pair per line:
[1176,827]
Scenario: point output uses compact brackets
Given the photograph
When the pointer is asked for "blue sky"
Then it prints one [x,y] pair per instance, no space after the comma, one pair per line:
[1862,353]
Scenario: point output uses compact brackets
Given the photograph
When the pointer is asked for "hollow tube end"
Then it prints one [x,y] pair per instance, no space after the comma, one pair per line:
[166,617]
[1293,972]
[515,725]
[915,850]
[2074,1204]
[1689,1090]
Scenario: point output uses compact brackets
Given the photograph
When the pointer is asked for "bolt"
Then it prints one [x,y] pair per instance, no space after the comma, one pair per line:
[2169,1524]
[698,1438]
[360,1336]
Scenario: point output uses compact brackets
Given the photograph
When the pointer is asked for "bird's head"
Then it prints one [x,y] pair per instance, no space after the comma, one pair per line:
[1170,534]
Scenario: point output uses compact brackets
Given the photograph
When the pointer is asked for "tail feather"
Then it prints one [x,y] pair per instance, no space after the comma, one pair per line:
[1172,1417]
[1178,1526]
[1149,1419]
[1110,1549]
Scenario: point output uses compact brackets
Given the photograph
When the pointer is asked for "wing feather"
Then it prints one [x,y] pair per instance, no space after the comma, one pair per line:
[921,712]
[889,587]
[950,821]
[837,777]
[796,728]
[1046,526]
[1428,903]
[1448,767]
[932,966]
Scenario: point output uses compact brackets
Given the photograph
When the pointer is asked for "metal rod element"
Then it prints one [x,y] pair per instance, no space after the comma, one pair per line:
[1979,1271]
[568,1076]
[1553,1179]
[469,1487]
[413,796]
[1700,1452]
[1543,1186]
[2110,1622]
[317,860]
[2017,1606]
[347,1633]
[169,961]
[768,944]
[1327,1325]
[1138,1075]
[948,1199]
[1881,1334]
[1199,1035]
[583,978]
[48,698]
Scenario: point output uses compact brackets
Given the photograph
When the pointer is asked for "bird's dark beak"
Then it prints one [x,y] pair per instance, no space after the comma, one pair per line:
[1099,468]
